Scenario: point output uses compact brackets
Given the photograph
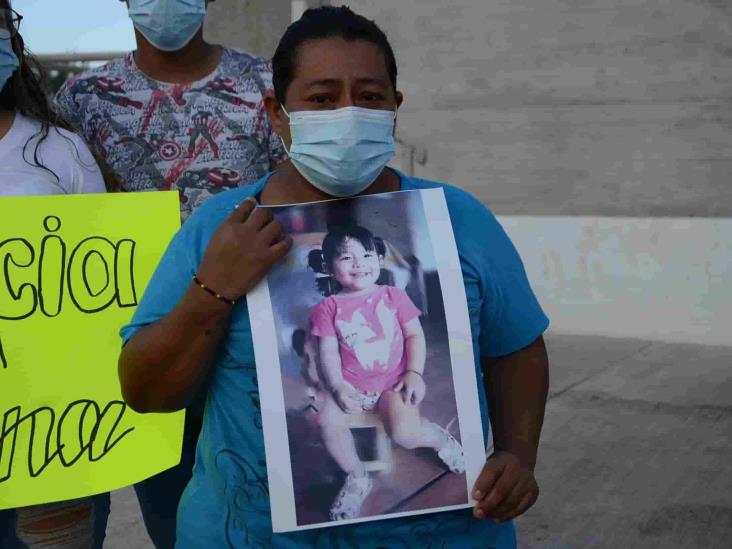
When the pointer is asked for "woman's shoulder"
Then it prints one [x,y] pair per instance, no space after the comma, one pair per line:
[50,158]
[484,247]
[24,127]
[457,199]
[471,218]
[60,150]
[57,140]
[61,137]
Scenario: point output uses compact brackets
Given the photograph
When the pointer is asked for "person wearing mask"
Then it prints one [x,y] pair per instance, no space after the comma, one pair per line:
[335,71]
[180,114]
[41,155]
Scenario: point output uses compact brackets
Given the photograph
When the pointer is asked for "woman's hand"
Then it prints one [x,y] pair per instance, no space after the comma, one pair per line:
[242,250]
[412,387]
[505,488]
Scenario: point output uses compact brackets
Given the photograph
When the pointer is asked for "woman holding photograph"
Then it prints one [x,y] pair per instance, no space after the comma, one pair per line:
[334,105]
[364,372]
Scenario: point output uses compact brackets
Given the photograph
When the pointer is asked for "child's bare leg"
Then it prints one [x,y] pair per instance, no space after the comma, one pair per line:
[339,441]
[406,427]
[337,436]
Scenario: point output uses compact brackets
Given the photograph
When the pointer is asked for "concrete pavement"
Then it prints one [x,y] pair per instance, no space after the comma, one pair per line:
[635,450]
[125,529]
[636,447]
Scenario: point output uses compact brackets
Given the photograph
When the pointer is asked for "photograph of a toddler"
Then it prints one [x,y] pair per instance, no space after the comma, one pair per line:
[372,350]
[365,360]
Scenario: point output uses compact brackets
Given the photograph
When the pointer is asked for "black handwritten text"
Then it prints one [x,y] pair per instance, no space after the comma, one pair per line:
[84,428]
[92,275]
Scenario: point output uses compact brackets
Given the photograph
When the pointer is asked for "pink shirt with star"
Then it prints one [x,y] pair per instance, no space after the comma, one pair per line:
[370,331]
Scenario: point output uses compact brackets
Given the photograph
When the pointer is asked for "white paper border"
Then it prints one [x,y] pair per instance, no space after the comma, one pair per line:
[459,334]
[272,401]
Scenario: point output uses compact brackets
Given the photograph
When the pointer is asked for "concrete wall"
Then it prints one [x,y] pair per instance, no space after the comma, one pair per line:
[552,107]
[252,25]
[657,279]
[570,107]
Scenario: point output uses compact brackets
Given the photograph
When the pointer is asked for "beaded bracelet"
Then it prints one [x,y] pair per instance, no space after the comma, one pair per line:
[208,290]
[416,372]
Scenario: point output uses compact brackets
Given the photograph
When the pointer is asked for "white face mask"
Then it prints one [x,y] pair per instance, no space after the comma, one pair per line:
[169,25]
[8,60]
[342,151]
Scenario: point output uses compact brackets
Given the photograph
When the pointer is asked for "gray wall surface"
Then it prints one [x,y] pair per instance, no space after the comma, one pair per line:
[553,107]
[572,107]
[255,26]
[252,25]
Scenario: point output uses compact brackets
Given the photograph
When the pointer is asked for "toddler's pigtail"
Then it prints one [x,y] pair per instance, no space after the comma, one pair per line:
[325,283]
[380,246]
[316,261]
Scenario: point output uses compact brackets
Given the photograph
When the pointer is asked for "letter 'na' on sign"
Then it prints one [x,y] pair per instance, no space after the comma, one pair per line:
[72,270]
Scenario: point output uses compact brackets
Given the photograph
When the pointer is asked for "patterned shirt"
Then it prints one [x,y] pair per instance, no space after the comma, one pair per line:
[198,138]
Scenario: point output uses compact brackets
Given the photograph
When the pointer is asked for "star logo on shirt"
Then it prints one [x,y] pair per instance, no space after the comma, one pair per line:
[169,150]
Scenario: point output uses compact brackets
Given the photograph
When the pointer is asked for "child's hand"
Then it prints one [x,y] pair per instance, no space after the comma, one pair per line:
[412,387]
[345,397]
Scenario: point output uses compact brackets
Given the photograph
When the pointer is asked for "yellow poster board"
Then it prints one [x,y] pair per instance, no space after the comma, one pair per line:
[72,270]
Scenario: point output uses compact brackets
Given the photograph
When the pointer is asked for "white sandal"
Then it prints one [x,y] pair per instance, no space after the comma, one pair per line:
[451,453]
[347,503]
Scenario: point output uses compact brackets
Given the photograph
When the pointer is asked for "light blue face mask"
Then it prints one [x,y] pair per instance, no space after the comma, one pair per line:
[167,24]
[8,60]
[342,151]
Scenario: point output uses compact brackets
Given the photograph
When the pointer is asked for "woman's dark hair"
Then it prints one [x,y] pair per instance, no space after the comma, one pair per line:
[325,22]
[27,92]
[321,260]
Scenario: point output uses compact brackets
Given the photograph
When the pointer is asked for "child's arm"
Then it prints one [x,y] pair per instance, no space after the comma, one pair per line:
[330,362]
[412,383]
[415,345]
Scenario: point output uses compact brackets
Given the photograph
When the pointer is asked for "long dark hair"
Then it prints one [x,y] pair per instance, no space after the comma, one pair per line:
[27,92]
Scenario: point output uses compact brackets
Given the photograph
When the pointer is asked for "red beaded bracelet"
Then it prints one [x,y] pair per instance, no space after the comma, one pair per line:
[208,290]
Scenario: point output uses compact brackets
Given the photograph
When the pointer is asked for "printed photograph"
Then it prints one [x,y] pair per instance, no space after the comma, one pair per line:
[365,364]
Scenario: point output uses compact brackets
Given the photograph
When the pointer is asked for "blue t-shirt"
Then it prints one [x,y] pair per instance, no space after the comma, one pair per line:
[226,504]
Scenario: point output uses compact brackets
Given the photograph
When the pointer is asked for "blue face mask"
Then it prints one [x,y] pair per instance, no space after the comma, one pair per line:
[342,151]
[8,60]
[167,24]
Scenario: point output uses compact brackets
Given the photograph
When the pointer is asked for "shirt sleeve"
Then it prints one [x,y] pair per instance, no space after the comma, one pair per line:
[322,319]
[406,310]
[511,317]
[168,284]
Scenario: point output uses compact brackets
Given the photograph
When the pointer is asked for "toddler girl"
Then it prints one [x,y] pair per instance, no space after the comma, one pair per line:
[372,357]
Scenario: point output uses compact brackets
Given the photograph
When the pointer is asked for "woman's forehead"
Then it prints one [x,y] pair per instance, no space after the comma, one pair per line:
[334,58]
